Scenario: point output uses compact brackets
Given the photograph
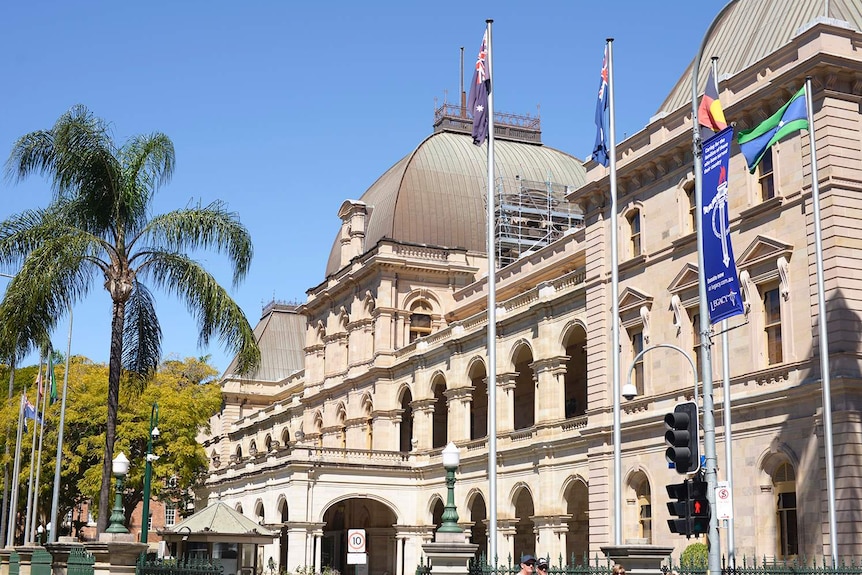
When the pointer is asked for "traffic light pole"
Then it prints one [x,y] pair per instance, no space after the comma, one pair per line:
[713,554]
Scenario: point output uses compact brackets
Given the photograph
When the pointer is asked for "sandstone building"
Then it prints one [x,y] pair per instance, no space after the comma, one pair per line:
[364,383]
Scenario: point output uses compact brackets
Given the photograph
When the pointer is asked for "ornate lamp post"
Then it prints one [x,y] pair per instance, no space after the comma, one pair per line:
[451,460]
[148,471]
[120,468]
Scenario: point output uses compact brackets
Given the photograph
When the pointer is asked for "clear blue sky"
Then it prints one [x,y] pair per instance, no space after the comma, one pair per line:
[286,109]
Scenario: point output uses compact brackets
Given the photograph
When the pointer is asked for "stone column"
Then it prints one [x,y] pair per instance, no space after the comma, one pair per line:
[5,555]
[423,428]
[638,559]
[505,552]
[115,553]
[505,402]
[318,543]
[551,388]
[551,536]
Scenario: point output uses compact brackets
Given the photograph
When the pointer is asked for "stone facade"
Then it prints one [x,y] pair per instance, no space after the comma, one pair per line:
[396,360]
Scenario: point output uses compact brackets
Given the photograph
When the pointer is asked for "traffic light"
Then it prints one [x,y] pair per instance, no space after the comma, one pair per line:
[681,437]
[698,507]
[679,509]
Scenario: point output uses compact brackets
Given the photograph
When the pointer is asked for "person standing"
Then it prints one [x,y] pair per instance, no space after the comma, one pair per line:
[542,566]
[527,564]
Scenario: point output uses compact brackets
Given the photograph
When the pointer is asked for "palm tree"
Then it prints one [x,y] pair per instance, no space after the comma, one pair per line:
[99,223]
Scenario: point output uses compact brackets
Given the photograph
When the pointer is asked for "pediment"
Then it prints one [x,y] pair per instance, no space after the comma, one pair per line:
[632,299]
[687,278]
[763,250]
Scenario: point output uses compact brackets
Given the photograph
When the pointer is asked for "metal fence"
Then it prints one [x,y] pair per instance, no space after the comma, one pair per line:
[603,566]
[80,562]
[187,565]
[769,566]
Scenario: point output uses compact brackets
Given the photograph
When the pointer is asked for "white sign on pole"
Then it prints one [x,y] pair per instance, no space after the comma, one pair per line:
[355,541]
[723,501]
[357,558]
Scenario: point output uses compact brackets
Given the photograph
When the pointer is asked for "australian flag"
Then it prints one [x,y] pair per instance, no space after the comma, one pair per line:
[479,90]
[600,149]
[30,412]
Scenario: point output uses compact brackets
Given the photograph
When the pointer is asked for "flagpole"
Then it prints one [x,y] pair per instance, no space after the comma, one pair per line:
[53,526]
[728,430]
[492,321]
[714,552]
[39,456]
[4,513]
[16,470]
[615,303]
[824,342]
[32,460]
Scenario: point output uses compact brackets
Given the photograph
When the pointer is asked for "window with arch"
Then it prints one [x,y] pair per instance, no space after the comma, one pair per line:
[440,422]
[285,437]
[405,432]
[267,442]
[318,428]
[342,427]
[238,452]
[367,414]
[784,485]
[479,401]
[420,320]
[575,379]
[524,395]
[252,448]
[633,218]
[644,505]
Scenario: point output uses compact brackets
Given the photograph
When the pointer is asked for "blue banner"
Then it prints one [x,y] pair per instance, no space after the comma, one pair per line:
[722,283]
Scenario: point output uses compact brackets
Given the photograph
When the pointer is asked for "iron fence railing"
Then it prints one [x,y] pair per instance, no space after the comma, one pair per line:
[187,565]
[603,566]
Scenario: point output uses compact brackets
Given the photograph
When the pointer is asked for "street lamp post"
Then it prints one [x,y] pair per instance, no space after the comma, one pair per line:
[148,471]
[120,468]
[451,460]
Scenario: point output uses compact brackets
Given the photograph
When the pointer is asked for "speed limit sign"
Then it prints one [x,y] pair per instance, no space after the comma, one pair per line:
[356,540]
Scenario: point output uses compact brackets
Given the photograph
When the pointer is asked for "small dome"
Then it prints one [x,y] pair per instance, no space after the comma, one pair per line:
[436,194]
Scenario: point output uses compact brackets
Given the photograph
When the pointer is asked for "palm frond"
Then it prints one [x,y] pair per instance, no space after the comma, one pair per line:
[210,226]
[208,302]
[142,334]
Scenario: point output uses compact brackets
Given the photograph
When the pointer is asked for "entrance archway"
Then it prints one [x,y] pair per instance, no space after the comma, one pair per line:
[378,520]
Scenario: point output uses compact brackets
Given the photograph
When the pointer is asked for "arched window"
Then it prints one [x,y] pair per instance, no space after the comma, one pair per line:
[479,402]
[441,413]
[784,484]
[575,379]
[342,427]
[644,502]
[524,397]
[420,320]
[367,411]
[405,439]
[285,437]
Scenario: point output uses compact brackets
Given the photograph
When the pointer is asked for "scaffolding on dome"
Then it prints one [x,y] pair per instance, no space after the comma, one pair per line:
[530,215]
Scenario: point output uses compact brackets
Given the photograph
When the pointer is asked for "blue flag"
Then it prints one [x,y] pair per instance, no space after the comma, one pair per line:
[30,412]
[600,149]
[722,283]
[479,90]
[791,117]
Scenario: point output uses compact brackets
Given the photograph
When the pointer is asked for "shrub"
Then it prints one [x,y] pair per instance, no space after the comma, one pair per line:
[694,557]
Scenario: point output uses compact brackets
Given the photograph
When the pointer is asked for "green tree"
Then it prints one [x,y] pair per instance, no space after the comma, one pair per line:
[694,557]
[99,225]
[187,396]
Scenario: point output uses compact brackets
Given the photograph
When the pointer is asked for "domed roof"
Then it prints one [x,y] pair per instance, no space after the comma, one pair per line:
[750,30]
[436,194]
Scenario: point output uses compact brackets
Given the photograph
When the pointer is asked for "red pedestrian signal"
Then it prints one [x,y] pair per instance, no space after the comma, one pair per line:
[698,505]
